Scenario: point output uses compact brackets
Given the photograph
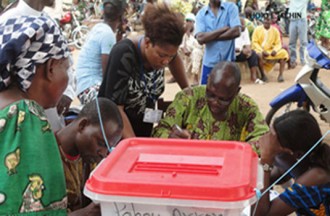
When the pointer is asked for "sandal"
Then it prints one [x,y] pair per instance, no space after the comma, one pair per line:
[259,81]
[280,79]
[292,65]
[264,78]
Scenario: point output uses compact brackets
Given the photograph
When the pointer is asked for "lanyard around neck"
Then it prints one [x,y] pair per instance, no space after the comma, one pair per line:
[142,73]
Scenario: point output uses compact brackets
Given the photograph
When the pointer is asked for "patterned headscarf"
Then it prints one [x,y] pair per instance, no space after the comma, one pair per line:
[25,42]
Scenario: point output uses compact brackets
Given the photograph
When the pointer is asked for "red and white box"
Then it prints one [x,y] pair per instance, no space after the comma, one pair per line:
[171,177]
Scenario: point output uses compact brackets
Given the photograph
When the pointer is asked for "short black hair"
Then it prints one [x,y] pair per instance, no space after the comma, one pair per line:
[227,67]
[108,109]
[113,11]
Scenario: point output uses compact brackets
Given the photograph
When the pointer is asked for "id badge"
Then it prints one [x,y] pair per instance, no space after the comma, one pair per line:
[152,115]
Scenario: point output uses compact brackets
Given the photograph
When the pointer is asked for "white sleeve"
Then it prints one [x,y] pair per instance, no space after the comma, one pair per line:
[70,90]
[246,37]
[239,42]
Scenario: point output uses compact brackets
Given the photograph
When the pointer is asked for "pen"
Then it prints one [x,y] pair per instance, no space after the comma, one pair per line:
[178,127]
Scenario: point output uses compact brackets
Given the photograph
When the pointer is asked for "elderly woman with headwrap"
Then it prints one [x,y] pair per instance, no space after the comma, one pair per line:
[33,65]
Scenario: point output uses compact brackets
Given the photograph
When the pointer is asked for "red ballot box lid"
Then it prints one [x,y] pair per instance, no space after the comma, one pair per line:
[178,169]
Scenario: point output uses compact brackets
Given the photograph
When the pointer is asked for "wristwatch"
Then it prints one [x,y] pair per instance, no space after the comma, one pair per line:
[267,168]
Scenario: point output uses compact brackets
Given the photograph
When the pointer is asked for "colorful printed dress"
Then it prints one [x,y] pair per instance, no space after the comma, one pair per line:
[323,24]
[130,86]
[189,109]
[31,172]
[313,201]
[250,26]
[73,169]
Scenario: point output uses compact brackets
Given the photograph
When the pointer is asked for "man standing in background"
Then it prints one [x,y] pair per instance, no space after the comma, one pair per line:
[217,25]
[298,28]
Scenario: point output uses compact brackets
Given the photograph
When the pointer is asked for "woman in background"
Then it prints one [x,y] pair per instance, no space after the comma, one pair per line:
[294,133]
[134,78]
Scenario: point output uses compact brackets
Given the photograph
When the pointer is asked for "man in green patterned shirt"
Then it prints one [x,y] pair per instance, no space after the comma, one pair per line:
[216,111]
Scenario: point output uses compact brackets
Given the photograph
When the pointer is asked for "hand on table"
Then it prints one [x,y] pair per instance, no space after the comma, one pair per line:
[179,133]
